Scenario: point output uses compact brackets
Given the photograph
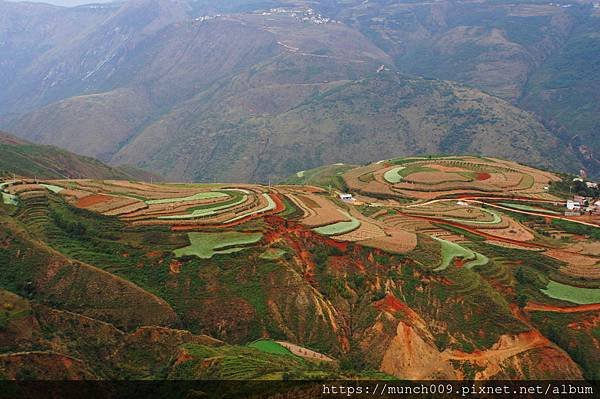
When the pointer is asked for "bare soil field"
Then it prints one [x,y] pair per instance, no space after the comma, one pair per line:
[92,200]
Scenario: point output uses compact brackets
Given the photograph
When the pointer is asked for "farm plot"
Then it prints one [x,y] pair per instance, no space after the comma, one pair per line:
[451,250]
[523,207]
[270,346]
[195,197]
[270,205]
[319,210]
[367,180]
[443,177]
[52,188]
[9,199]
[340,227]
[395,241]
[208,211]
[578,265]
[578,295]
[206,245]
[512,231]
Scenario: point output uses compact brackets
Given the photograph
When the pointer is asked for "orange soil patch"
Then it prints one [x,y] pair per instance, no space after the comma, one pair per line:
[92,200]
[391,304]
[482,176]
[540,307]
[175,266]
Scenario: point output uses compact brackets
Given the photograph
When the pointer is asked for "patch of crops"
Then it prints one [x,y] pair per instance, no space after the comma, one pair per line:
[54,189]
[206,212]
[269,207]
[451,250]
[205,245]
[10,199]
[524,207]
[496,218]
[195,197]
[393,175]
[269,346]
[340,227]
[569,293]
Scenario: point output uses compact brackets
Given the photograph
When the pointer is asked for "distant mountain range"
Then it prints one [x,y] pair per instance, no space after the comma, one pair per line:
[252,90]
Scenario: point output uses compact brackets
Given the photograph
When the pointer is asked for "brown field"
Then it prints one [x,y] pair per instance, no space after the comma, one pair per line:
[369,228]
[322,210]
[514,231]
[16,189]
[577,265]
[586,248]
[431,178]
[397,241]
[92,200]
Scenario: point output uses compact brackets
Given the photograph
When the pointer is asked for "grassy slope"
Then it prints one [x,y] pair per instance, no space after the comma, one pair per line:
[26,159]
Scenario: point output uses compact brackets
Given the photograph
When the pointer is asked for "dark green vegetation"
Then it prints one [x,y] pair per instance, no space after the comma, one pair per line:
[251,97]
[46,162]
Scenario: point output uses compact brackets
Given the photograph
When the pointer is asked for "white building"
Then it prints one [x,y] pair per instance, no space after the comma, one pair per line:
[591,184]
[573,205]
[346,197]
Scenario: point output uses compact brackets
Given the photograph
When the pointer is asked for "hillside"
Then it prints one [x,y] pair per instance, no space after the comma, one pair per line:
[231,137]
[46,162]
[204,90]
[453,267]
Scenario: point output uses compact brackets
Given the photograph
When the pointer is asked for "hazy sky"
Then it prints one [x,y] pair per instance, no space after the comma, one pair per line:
[68,2]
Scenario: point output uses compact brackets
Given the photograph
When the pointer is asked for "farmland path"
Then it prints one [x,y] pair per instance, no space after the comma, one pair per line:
[540,307]
[303,352]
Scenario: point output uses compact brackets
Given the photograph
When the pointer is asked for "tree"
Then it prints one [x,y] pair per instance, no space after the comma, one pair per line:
[522,300]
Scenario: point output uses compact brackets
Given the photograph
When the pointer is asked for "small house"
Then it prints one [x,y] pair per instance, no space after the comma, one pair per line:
[346,197]
[590,184]
[573,205]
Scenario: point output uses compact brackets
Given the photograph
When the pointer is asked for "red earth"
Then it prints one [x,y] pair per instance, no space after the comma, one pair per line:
[91,200]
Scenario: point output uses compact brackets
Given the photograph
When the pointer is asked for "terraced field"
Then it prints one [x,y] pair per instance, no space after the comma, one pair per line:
[445,264]
[578,295]
[206,245]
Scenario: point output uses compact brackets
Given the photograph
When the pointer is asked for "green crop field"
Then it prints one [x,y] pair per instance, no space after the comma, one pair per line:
[580,296]
[393,175]
[54,189]
[207,211]
[269,346]
[195,197]
[205,245]
[340,227]
[451,250]
[269,207]
[524,207]
[9,199]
